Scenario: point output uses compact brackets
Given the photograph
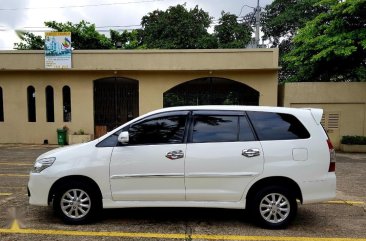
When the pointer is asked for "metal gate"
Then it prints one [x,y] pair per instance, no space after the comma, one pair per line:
[211,91]
[115,103]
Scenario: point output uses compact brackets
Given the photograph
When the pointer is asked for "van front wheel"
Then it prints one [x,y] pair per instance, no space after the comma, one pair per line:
[76,203]
[274,207]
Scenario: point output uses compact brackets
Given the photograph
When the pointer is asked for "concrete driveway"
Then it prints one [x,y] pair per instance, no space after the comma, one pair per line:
[341,219]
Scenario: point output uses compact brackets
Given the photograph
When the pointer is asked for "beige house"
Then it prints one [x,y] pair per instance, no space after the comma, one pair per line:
[107,88]
[344,105]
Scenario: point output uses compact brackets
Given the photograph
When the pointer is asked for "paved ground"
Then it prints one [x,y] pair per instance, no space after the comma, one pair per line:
[344,219]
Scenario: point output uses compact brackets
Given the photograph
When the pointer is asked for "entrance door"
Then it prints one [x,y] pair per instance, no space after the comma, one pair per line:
[115,103]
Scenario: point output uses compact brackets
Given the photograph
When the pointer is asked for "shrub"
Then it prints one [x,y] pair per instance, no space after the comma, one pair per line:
[354,140]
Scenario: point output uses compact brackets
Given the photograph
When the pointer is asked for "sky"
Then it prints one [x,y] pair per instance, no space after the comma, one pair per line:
[30,15]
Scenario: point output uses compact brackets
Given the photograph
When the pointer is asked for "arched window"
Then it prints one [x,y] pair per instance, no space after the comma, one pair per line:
[50,113]
[1,105]
[211,91]
[66,103]
[31,97]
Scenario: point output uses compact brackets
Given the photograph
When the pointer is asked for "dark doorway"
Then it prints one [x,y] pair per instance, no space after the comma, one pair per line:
[115,103]
[211,91]
[66,103]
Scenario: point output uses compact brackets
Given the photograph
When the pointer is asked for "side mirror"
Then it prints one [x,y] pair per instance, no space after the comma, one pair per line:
[124,137]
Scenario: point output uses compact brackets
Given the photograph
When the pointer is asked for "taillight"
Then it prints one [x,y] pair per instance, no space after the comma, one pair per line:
[332,163]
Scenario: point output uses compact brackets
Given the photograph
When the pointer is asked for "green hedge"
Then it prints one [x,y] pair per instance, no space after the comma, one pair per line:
[354,140]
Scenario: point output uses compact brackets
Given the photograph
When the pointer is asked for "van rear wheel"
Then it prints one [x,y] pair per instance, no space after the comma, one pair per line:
[274,207]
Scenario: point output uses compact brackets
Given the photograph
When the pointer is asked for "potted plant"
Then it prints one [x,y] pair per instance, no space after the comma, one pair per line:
[353,143]
[79,136]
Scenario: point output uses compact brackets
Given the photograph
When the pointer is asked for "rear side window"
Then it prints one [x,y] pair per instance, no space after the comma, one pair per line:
[220,128]
[277,126]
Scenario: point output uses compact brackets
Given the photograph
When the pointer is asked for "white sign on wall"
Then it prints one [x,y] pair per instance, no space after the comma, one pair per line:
[58,50]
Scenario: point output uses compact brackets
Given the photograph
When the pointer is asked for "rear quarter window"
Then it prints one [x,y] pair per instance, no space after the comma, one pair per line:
[277,126]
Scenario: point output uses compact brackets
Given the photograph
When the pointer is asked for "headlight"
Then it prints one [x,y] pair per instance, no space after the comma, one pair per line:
[42,164]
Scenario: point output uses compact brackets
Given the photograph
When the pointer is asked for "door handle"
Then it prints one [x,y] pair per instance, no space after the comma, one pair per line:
[251,152]
[173,155]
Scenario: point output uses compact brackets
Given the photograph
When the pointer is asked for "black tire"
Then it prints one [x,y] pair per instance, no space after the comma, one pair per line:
[77,203]
[273,207]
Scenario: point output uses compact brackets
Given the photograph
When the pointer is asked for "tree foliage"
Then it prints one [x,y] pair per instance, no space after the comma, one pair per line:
[280,23]
[83,35]
[230,33]
[176,28]
[128,39]
[29,41]
[332,46]
[283,18]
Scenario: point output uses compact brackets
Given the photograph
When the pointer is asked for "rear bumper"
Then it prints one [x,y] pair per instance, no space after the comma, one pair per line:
[319,190]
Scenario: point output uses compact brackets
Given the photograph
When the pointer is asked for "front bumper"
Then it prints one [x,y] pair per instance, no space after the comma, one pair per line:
[38,189]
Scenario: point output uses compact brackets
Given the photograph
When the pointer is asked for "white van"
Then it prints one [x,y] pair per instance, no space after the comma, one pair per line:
[262,159]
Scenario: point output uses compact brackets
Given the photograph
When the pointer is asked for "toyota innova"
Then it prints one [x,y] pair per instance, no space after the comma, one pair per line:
[262,159]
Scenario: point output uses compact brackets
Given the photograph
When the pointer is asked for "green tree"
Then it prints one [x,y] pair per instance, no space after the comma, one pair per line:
[230,33]
[332,46]
[177,28]
[83,35]
[29,41]
[280,23]
[128,39]
[283,18]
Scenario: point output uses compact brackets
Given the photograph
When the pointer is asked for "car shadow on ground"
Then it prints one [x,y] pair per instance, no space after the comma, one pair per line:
[162,215]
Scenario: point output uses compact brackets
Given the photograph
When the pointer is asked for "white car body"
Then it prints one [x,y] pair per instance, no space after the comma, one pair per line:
[213,174]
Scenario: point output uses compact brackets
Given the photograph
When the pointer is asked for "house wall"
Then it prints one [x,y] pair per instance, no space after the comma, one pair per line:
[344,105]
[155,71]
